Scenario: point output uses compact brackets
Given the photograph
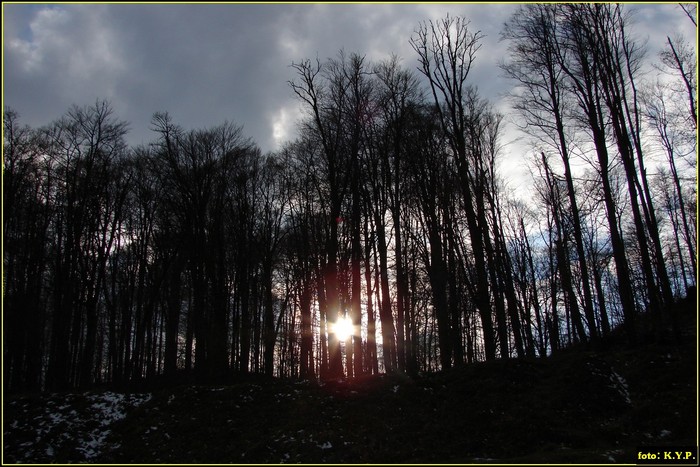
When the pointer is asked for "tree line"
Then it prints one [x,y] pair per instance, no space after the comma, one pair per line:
[198,254]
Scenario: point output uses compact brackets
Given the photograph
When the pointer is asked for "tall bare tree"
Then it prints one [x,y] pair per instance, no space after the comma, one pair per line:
[446,51]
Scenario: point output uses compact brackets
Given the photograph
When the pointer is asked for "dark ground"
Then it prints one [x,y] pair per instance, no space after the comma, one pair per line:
[580,406]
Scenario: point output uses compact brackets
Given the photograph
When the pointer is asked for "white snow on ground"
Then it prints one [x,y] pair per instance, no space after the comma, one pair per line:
[80,422]
[619,383]
[616,452]
[107,408]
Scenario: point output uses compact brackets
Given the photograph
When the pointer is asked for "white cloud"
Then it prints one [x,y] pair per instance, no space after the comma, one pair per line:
[46,39]
[282,126]
[68,55]
[75,41]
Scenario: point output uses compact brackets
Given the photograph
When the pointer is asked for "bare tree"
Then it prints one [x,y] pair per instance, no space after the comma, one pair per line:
[533,63]
[446,51]
[27,188]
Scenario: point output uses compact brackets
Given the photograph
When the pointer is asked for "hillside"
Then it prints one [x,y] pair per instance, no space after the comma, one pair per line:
[577,406]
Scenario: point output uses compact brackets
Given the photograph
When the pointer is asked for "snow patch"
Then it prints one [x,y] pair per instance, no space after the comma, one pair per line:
[108,407]
[619,383]
[616,382]
[85,430]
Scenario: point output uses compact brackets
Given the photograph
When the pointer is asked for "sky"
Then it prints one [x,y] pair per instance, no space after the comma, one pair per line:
[209,63]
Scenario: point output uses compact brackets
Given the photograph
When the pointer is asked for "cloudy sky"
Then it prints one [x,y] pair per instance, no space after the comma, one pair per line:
[207,63]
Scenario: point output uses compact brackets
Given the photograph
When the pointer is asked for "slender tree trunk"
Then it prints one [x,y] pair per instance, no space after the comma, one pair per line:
[385,314]
[323,323]
[307,360]
[438,282]
[172,322]
[355,306]
[333,312]
[371,362]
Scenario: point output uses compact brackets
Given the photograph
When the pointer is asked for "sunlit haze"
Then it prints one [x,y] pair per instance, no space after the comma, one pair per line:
[343,328]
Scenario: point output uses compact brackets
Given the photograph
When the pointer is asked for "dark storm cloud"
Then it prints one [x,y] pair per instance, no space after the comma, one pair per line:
[207,63]
[203,63]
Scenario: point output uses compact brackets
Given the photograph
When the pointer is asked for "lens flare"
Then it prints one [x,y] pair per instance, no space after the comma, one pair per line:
[343,328]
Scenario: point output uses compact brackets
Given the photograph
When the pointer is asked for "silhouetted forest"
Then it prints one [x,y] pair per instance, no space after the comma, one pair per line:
[198,255]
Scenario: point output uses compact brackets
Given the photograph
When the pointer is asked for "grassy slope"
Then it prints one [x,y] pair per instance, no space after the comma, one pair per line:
[576,407]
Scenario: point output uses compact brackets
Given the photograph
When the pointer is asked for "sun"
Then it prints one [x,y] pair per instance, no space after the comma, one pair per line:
[343,328]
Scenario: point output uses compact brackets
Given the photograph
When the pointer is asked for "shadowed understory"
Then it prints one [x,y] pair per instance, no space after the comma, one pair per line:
[577,406]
